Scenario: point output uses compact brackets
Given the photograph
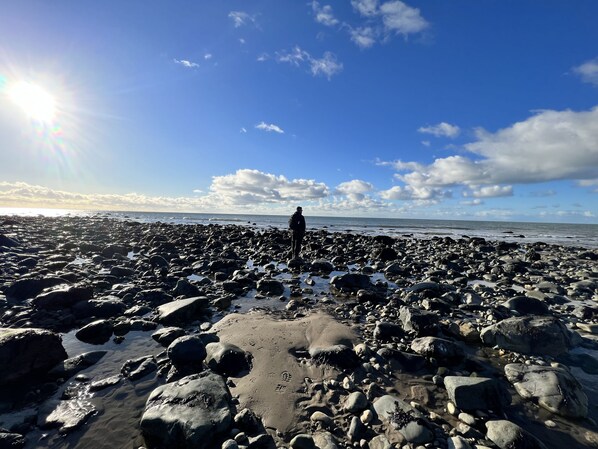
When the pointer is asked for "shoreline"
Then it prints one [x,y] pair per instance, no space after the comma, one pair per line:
[361,325]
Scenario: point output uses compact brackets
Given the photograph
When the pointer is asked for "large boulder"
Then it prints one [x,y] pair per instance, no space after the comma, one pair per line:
[187,350]
[24,351]
[508,435]
[96,333]
[28,288]
[351,281]
[270,287]
[554,388]
[525,305]
[529,335]
[476,393]
[62,298]
[183,310]
[227,359]
[405,419]
[189,413]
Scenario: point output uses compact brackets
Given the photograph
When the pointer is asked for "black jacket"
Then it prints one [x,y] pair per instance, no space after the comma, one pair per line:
[297,223]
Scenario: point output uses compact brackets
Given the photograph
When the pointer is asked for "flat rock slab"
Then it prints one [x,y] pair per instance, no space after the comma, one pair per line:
[476,393]
[276,382]
[67,415]
[24,351]
[188,413]
[554,388]
[508,435]
[183,310]
[529,335]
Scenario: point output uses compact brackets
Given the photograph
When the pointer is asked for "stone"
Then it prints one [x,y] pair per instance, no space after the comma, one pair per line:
[356,429]
[458,443]
[524,305]
[554,388]
[322,418]
[28,288]
[10,440]
[26,351]
[529,335]
[227,359]
[351,281]
[418,321]
[322,266]
[183,310]
[438,348]
[476,393]
[338,355]
[302,441]
[69,367]
[408,421]
[270,287]
[136,369]
[192,412]
[185,288]
[508,435]
[380,442]
[187,350]
[386,331]
[67,415]
[167,335]
[62,298]
[356,402]
[247,421]
[325,440]
[96,333]
[106,382]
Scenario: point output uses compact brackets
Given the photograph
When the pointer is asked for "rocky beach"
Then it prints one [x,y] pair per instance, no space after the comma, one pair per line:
[120,334]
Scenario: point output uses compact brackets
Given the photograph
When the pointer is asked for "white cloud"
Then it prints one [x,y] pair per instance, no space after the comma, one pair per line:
[327,66]
[269,127]
[243,130]
[426,143]
[474,202]
[409,193]
[548,146]
[207,56]
[324,14]
[588,71]
[247,186]
[488,191]
[364,37]
[263,57]
[241,18]
[186,63]
[355,189]
[442,129]
[367,8]
[401,18]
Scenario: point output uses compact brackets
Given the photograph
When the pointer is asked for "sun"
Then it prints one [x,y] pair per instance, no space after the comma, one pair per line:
[38,104]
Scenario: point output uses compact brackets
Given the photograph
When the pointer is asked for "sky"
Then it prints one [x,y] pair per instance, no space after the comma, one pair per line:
[433,109]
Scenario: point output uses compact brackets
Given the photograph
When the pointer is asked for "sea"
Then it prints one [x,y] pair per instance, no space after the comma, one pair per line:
[581,235]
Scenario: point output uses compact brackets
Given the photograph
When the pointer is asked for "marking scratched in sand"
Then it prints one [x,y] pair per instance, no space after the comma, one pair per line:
[280,388]
[286,376]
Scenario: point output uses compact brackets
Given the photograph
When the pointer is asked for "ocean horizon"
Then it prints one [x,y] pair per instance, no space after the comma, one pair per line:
[570,234]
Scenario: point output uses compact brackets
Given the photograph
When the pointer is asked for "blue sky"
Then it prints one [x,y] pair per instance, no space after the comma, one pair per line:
[421,109]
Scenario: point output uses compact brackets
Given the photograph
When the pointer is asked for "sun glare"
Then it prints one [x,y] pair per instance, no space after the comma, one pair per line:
[33,100]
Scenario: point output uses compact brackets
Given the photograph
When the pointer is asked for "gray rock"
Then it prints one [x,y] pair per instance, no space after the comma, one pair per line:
[386,331]
[191,412]
[322,266]
[62,298]
[137,368]
[417,431]
[227,359]
[96,332]
[73,365]
[408,421]
[554,388]
[9,440]
[529,335]
[458,443]
[476,393]
[437,347]
[524,305]
[508,435]
[187,350]
[270,287]
[106,382]
[28,288]
[120,271]
[356,429]
[167,335]
[324,440]
[302,441]
[25,351]
[108,307]
[356,402]
[185,288]
[351,281]
[67,415]
[380,442]
[183,310]
[418,321]
[337,355]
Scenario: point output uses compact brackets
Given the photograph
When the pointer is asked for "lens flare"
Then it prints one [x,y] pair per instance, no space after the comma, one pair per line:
[37,104]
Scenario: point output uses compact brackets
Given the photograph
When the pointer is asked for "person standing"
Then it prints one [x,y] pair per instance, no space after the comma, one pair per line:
[297,226]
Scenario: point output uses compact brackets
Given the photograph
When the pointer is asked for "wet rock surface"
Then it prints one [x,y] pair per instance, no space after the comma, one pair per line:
[366,341]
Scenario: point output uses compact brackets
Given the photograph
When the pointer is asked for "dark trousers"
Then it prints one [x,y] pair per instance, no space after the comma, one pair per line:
[296,240]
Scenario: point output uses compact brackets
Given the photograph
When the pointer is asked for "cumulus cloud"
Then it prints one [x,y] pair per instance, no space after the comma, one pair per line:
[324,14]
[271,127]
[367,8]
[355,189]
[401,18]
[588,71]
[241,18]
[548,146]
[327,65]
[247,186]
[442,129]
[186,63]
[488,191]
[363,37]
[410,193]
